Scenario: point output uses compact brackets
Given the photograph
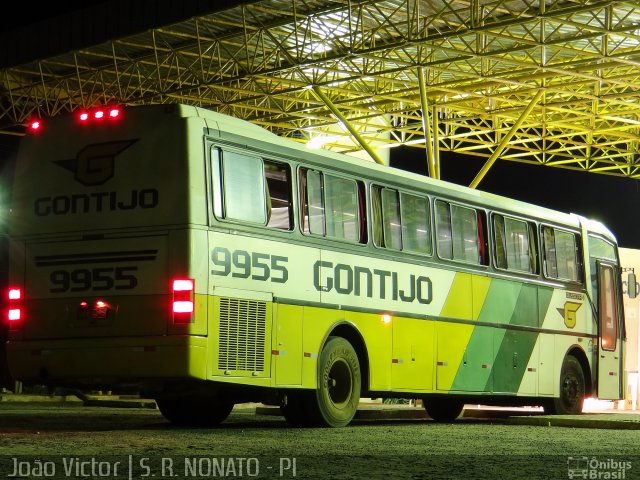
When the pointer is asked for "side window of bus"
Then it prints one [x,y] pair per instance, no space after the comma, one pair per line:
[401,221]
[239,186]
[515,247]
[561,255]
[278,184]
[461,233]
[599,249]
[415,212]
[386,218]
[248,189]
[332,206]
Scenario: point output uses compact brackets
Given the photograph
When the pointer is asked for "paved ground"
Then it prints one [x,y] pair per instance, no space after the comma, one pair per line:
[608,419]
[64,432]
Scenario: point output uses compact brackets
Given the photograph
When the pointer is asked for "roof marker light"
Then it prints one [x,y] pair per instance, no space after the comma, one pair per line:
[98,114]
[35,125]
[114,112]
[84,116]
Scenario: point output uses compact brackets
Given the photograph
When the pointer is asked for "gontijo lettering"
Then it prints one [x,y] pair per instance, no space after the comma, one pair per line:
[355,280]
[96,202]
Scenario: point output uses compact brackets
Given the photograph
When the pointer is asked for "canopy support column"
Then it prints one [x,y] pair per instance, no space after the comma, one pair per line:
[363,143]
[500,148]
[426,124]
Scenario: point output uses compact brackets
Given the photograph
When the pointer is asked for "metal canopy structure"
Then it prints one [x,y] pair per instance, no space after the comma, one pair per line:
[553,82]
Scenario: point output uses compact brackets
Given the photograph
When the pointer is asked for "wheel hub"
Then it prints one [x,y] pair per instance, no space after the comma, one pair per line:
[340,383]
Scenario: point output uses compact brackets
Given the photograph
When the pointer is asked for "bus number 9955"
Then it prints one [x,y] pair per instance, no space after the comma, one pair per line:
[93,279]
[254,265]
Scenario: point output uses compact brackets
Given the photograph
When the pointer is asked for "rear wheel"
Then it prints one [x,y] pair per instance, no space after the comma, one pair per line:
[339,383]
[443,409]
[200,411]
[572,389]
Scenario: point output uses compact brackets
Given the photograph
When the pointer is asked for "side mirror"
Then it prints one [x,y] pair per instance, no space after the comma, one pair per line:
[632,286]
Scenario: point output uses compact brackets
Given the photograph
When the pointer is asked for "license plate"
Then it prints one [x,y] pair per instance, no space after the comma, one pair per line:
[88,315]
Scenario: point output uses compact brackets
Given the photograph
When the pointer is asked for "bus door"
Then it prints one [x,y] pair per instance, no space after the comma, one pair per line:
[610,332]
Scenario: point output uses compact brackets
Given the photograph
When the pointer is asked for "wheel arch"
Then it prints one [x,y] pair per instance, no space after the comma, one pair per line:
[350,333]
[578,353]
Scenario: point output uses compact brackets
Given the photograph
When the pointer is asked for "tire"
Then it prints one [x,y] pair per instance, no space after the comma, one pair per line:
[336,399]
[195,411]
[572,389]
[443,410]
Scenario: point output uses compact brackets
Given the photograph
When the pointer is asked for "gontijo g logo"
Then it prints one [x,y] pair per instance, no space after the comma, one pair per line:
[94,164]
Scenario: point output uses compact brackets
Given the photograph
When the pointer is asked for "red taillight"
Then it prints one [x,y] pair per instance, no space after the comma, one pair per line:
[15,294]
[14,311]
[183,300]
[182,306]
[183,285]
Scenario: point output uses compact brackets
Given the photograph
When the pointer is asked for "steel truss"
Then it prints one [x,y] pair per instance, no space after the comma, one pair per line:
[273,61]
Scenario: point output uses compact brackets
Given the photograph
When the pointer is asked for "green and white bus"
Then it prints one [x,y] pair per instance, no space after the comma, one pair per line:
[203,261]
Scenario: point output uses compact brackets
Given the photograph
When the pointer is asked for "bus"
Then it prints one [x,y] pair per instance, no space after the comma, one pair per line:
[203,261]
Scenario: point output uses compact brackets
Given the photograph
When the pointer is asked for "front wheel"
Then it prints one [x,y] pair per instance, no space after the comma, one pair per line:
[443,410]
[196,411]
[572,389]
[339,383]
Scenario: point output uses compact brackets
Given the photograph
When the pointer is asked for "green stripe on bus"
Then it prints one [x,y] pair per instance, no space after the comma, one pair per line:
[514,352]
[496,359]
[511,361]
[474,372]
[500,302]
[544,299]
[526,310]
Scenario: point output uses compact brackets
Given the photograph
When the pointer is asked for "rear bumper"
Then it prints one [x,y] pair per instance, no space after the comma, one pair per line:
[108,361]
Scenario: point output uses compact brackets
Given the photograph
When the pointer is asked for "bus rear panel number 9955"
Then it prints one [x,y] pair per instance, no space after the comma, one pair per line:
[93,279]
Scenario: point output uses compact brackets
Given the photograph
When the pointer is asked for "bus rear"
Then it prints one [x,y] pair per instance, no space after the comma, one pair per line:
[106,208]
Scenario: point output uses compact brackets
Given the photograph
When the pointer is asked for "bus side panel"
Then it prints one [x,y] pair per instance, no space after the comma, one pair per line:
[546,375]
[377,332]
[403,349]
[288,361]
[567,311]
[247,278]
[412,365]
